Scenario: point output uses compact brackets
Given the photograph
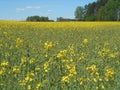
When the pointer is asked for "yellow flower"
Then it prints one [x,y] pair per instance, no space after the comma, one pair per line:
[32,60]
[48,45]
[85,41]
[102,86]
[1,72]
[22,82]
[68,66]
[31,73]
[104,52]
[29,87]
[88,79]
[2,84]
[29,79]
[94,79]
[71,50]
[97,73]
[73,71]
[81,82]
[37,68]
[83,56]
[46,67]
[96,87]
[23,59]
[5,33]
[62,54]
[30,76]
[92,68]
[19,40]
[16,69]
[38,85]
[100,79]
[65,79]
[109,72]
[112,55]
[4,63]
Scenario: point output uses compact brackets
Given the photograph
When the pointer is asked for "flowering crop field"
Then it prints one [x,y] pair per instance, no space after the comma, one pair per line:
[59,55]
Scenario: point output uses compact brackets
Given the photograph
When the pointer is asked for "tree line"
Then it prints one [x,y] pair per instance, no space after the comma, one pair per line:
[38,19]
[101,10]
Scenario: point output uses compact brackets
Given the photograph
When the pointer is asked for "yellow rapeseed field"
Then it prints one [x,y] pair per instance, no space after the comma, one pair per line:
[59,55]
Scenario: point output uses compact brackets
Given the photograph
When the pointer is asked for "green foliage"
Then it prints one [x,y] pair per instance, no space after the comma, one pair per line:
[101,10]
[61,19]
[109,11]
[79,13]
[37,18]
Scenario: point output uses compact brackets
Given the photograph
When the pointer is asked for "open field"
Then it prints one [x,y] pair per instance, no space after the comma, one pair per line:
[59,55]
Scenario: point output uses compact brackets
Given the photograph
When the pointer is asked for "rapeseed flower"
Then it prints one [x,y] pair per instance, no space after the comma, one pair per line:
[22,82]
[23,60]
[62,54]
[95,80]
[16,69]
[32,60]
[29,87]
[46,67]
[39,85]
[37,68]
[48,45]
[81,80]
[85,41]
[19,40]
[65,79]
[102,86]
[1,72]
[91,68]
[112,55]
[109,72]
[4,63]
[29,79]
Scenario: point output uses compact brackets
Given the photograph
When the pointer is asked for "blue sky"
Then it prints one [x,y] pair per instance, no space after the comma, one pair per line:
[20,9]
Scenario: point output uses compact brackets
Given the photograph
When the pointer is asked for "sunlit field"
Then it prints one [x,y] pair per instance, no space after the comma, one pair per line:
[59,55]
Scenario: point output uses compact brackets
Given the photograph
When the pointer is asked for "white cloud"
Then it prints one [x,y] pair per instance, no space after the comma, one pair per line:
[27,7]
[33,7]
[19,9]
[49,10]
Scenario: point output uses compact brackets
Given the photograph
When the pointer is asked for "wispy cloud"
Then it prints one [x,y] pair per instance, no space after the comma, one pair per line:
[27,7]
[33,7]
[49,10]
[19,9]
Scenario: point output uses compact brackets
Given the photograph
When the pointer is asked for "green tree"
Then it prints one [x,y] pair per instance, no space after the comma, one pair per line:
[91,11]
[33,18]
[79,13]
[109,11]
[37,18]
